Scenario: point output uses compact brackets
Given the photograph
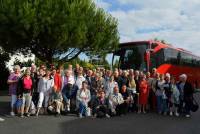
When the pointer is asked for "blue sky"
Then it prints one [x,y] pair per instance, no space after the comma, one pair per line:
[175,21]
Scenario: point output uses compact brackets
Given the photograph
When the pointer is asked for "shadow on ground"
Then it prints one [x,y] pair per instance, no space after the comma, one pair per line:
[4,102]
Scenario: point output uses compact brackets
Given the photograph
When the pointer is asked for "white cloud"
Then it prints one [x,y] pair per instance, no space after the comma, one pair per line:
[102,4]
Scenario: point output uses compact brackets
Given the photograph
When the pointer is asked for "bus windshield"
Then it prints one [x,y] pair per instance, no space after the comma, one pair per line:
[132,57]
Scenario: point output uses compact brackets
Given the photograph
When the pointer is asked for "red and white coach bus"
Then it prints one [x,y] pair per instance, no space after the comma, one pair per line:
[146,55]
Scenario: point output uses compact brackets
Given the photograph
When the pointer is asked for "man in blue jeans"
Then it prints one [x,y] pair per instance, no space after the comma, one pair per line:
[67,87]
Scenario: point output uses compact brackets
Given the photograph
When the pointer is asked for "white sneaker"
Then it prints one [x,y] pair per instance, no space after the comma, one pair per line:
[27,114]
[1,119]
[68,109]
[177,114]
[21,116]
[107,116]
[171,114]
[187,116]
[80,116]
[12,113]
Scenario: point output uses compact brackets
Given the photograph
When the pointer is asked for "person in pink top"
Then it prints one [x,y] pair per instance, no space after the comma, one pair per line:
[12,82]
[24,90]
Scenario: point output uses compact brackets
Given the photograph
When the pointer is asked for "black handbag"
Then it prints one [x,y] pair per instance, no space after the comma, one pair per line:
[194,105]
[35,98]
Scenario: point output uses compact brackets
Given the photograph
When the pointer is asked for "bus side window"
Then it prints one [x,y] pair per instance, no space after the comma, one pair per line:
[179,58]
[171,56]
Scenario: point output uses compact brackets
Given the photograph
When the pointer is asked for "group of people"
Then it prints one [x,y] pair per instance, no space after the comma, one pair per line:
[98,93]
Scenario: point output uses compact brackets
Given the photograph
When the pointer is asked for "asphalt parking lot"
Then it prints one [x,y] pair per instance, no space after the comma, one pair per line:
[150,123]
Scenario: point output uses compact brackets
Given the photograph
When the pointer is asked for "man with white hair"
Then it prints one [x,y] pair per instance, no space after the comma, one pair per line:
[67,85]
[186,94]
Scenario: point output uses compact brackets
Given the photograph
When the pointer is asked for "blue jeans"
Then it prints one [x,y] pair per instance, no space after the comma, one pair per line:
[66,92]
[164,105]
[159,103]
[82,108]
[188,103]
[66,98]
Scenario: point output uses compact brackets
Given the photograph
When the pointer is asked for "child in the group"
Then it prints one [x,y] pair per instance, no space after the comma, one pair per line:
[18,104]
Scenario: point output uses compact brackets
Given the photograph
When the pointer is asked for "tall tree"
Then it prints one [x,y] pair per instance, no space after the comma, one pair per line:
[56,29]
[4,57]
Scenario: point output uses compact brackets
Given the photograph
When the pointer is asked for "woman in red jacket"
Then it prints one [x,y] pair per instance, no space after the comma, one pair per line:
[58,81]
[143,96]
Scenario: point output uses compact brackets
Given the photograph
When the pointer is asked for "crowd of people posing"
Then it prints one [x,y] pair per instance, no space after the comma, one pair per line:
[97,93]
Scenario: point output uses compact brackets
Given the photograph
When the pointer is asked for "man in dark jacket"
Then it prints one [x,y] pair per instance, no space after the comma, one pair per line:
[89,78]
[186,94]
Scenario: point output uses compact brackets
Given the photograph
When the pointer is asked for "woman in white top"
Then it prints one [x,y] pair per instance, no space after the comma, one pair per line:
[109,86]
[45,87]
[83,97]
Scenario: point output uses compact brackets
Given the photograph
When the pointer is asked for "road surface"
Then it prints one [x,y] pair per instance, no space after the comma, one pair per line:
[150,123]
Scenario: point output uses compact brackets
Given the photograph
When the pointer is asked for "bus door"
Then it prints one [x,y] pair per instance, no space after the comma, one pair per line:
[147,55]
[116,59]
